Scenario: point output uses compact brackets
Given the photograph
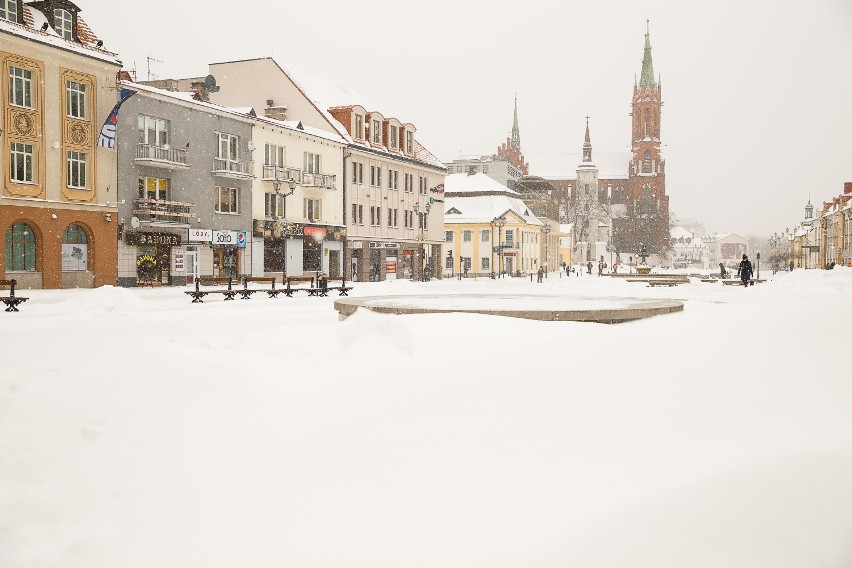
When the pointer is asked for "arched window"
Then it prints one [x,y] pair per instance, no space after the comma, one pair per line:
[646,162]
[20,248]
[75,249]
[63,23]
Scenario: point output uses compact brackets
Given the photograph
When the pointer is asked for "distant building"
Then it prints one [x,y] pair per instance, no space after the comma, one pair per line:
[727,248]
[688,250]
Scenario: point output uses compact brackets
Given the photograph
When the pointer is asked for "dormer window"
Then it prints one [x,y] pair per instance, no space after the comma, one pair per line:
[9,10]
[377,132]
[409,142]
[359,126]
[394,137]
[63,23]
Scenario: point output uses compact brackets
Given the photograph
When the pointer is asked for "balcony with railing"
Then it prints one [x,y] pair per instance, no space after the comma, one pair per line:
[161,156]
[281,174]
[324,181]
[163,212]
[232,168]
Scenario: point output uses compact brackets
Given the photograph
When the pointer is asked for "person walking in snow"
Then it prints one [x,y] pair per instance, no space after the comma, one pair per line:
[745,271]
[589,267]
[722,272]
[540,275]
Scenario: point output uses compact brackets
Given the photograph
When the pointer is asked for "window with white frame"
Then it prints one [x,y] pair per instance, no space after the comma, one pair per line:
[274,206]
[75,99]
[394,134]
[486,263]
[408,183]
[20,87]
[229,146]
[359,127]
[227,200]
[22,163]
[486,235]
[393,179]
[360,214]
[153,188]
[510,237]
[312,163]
[273,155]
[358,173]
[77,170]
[449,263]
[312,209]
[409,142]
[354,219]
[153,131]
[422,185]
[9,10]
[390,217]
[63,23]
[379,216]
[377,132]
[467,236]
[449,238]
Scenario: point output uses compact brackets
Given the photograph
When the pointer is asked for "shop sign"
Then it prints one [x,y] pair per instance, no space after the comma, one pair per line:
[200,235]
[356,244]
[378,245]
[508,254]
[232,238]
[315,232]
[138,238]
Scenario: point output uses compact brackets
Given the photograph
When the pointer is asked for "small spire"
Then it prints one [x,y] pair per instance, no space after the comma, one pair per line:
[516,131]
[587,145]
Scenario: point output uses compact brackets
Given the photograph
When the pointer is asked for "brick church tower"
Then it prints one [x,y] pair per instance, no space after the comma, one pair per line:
[646,215]
[511,150]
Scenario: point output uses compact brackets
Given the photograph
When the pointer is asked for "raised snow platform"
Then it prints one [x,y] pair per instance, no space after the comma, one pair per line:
[546,308]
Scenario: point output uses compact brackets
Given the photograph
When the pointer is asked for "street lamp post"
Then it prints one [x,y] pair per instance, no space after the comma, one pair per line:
[276,185]
[500,222]
[546,230]
[421,238]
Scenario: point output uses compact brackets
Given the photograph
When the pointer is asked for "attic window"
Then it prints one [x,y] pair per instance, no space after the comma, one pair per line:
[453,211]
[9,10]
[63,23]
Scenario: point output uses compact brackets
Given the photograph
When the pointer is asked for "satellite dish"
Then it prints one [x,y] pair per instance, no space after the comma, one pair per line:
[210,84]
[134,222]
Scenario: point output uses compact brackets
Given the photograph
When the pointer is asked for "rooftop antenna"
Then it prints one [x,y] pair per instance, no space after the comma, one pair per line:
[150,59]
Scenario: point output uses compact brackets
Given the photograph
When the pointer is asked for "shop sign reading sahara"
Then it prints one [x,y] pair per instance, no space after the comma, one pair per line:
[142,239]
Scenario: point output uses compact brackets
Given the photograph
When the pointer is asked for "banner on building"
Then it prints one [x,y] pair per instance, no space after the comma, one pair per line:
[107,137]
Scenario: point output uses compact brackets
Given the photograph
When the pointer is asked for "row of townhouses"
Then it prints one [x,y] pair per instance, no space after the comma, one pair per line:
[823,240]
[246,169]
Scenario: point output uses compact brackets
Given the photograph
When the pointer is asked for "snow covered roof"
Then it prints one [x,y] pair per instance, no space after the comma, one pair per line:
[34,19]
[564,165]
[476,183]
[479,199]
[187,97]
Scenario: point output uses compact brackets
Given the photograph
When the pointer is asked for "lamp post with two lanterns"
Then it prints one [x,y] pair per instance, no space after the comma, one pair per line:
[421,237]
[283,195]
[500,222]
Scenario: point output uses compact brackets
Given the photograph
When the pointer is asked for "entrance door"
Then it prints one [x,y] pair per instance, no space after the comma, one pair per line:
[226,263]
[354,267]
[334,262]
[508,267]
[191,266]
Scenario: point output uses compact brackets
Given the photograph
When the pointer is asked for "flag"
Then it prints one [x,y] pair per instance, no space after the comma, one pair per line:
[107,137]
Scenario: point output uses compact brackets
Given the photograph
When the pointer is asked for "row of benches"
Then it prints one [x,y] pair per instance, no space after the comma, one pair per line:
[318,288]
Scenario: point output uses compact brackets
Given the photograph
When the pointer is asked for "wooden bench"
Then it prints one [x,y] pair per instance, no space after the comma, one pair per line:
[311,290]
[12,301]
[653,282]
[246,292]
[198,294]
[738,282]
[343,289]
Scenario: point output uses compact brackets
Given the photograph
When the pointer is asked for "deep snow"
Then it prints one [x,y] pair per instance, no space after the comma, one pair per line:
[138,429]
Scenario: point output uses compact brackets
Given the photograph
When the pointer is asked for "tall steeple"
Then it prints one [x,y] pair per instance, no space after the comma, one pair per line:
[647,64]
[587,145]
[516,132]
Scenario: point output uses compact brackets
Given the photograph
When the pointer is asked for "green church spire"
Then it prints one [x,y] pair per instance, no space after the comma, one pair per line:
[516,132]
[647,64]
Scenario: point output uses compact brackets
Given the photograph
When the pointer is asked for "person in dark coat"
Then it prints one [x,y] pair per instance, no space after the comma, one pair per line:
[745,271]
[722,272]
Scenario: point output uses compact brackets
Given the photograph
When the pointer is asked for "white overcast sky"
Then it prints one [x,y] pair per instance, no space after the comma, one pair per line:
[757,95]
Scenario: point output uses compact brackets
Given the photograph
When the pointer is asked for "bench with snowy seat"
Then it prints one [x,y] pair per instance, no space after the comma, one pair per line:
[738,282]
[198,293]
[343,289]
[246,292]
